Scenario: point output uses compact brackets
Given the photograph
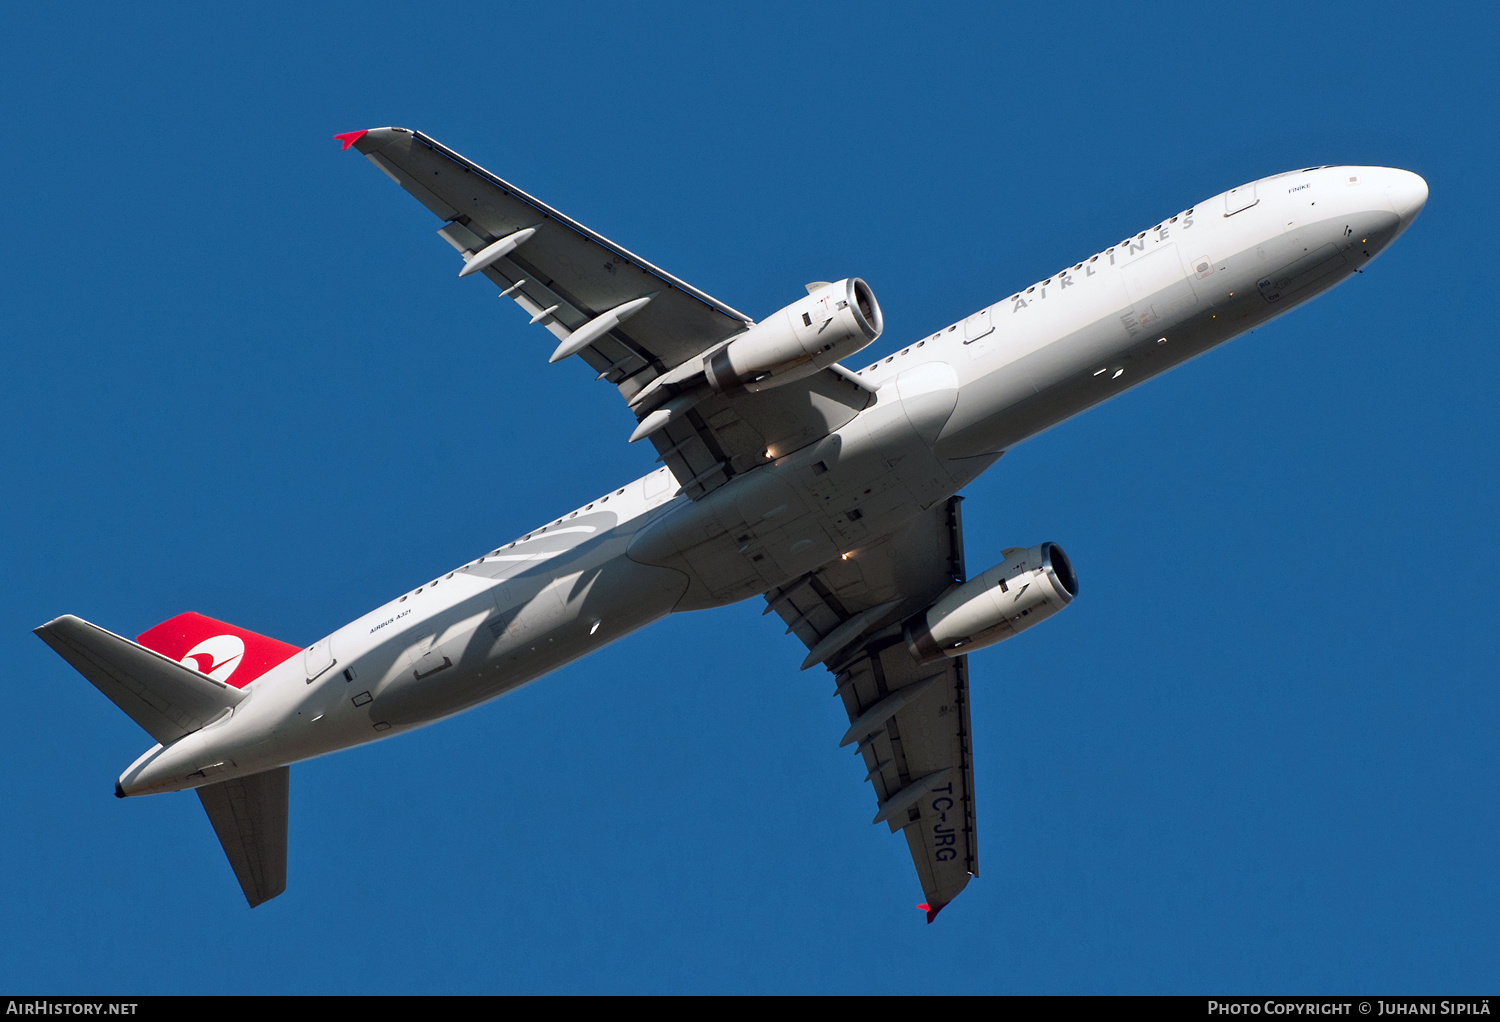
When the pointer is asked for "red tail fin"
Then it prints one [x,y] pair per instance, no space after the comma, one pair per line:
[235,656]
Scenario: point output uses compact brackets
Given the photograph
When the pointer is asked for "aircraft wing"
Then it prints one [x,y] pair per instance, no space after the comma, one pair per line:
[582,287]
[908,722]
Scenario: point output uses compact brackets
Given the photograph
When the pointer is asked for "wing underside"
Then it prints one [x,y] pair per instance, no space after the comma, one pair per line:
[908,722]
[570,279]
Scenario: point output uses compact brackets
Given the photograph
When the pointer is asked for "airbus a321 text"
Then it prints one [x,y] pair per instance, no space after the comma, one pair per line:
[828,492]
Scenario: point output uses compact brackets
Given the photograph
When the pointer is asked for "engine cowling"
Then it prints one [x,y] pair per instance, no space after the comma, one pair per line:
[1028,587]
[833,322]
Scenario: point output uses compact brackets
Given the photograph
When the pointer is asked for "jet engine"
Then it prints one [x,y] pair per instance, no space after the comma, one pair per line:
[1027,587]
[833,322]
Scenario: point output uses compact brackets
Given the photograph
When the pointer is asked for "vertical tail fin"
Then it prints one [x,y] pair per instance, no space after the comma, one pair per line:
[224,652]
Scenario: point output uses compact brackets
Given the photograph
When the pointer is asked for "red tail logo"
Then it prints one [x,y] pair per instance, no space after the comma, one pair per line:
[225,653]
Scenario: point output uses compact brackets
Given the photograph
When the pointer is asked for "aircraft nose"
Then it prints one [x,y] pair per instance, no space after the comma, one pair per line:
[1408,194]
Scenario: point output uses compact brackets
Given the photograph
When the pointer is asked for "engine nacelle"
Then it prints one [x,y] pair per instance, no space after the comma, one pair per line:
[833,322]
[1028,587]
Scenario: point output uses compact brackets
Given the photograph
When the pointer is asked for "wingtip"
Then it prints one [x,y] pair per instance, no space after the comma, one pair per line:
[61,619]
[351,137]
[932,911]
[260,897]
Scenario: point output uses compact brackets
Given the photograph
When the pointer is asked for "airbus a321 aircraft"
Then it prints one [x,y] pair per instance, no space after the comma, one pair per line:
[827,491]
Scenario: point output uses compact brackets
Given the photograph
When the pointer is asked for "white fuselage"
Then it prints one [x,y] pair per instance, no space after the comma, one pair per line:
[948,405]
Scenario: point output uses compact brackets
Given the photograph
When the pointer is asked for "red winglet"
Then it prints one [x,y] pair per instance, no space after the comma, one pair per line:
[351,137]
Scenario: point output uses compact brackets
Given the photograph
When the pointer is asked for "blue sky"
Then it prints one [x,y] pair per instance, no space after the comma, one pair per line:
[1258,753]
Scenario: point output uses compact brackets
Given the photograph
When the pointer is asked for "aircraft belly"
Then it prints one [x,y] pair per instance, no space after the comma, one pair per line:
[476,633]
[530,631]
[795,515]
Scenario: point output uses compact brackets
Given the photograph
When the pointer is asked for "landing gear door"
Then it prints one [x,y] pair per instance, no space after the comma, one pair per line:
[1241,198]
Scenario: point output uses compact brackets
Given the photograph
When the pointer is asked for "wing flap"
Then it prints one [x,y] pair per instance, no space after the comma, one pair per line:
[166,698]
[249,815]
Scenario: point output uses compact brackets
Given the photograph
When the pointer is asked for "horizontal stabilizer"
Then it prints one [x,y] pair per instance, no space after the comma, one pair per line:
[249,815]
[166,698]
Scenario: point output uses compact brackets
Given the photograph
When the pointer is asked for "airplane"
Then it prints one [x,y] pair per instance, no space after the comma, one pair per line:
[830,493]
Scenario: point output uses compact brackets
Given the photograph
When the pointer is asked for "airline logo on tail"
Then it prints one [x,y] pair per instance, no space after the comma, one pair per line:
[216,657]
[235,656]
